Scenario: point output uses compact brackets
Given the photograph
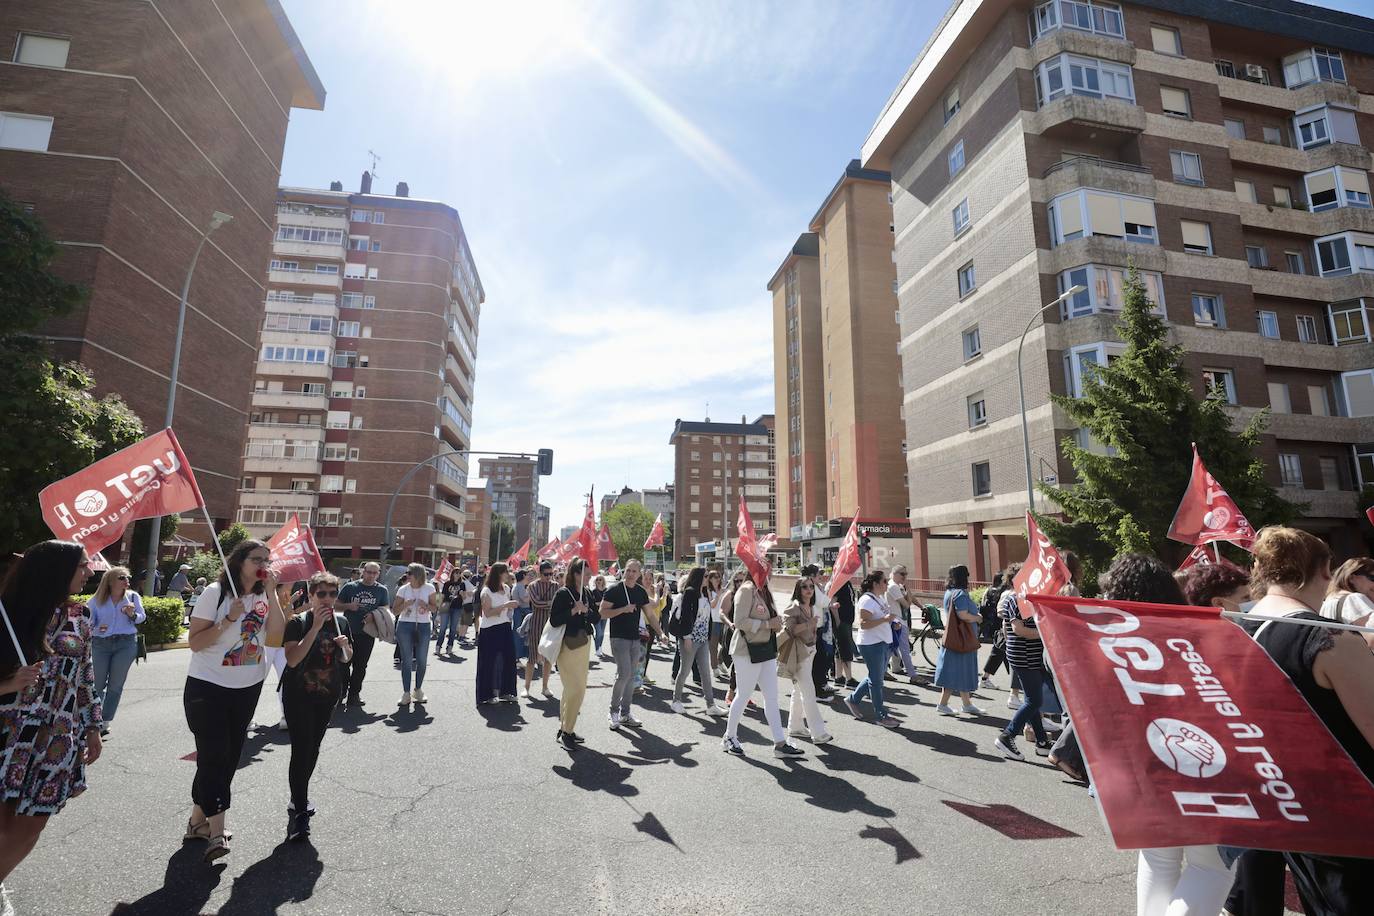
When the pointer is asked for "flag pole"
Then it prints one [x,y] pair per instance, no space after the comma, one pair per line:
[1328,624]
[233,586]
[18,651]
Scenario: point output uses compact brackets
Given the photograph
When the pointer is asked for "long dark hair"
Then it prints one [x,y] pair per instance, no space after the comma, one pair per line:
[957,577]
[695,579]
[37,585]
[797,592]
[570,577]
[233,570]
[494,574]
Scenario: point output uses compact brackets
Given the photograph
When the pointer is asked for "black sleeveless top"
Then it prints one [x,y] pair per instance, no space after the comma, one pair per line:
[1294,648]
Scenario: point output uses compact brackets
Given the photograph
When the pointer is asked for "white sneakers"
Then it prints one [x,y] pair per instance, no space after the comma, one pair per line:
[676,706]
[418,696]
[615,721]
[944,710]
[971,710]
[630,720]
[1013,702]
[405,699]
[985,682]
[716,711]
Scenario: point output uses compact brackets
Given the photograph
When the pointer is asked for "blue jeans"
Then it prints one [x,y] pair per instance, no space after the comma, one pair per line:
[875,659]
[521,649]
[413,640]
[599,638]
[112,656]
[1032,689]
[448,623]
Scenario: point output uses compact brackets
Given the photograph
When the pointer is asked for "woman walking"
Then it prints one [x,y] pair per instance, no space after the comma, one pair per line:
[755,652]
[116,610]
[713,592]
[1026,658]
[574,611]
[877,623]
[49,710]
[598,592]
[224,680]
[317,647]
[416,601]
[842,613]
[800,622]
[623,606]
[495,645]
[956,671]
[692,628]
[540,594]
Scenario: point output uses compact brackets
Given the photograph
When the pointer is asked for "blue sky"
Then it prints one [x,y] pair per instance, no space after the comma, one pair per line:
[629,175]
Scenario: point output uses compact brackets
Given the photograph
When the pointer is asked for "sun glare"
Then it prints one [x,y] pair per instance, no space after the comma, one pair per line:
[470,41]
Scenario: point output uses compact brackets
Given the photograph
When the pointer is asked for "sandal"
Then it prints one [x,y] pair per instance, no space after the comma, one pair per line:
[1068,769]
[218,848]
[201,832]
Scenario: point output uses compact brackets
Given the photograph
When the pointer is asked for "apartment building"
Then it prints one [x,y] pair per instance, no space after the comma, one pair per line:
[476,545]
[837,371]
[124,125]
[540,536]
[513,484]
[1038,146]
[713,463]
[366,368]
[656,500]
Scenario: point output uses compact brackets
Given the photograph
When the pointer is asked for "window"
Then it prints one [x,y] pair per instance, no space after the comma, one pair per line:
[326,268]
[345,359]
[951,105]
[355,271]
[956,159]
[977,410]
[1175,102]
[1069,74]
[1290,469]
[1083,15]
[1307,329]
[360,216]
[1207,311]
[1222,382]
[337,419]
[1235,129]
[331,483]
[1080,364]
[1349,325]
[1358,388]
[1279,401]
[1268,324]
[311,388]
[295,354]
[1089,212]
[375,246]
[1274,135]
[358,244]
[42,50]
[1197,237]
[967,282]
[1245,191]
[1342,254]
[372,273]
[369,302]
[1337,187]
[348,329]
[982,478]
[961,217]
[303,324]
[1294,262]
[1105,289]
[1311,65]
[973,345]
[21,131]
[335,451]
[1316,397]
[1225,68]
[1165,40]
[1256,256]
[288,233]
[1331,475]
[379,217]
[1283,197]
[1325,124]
[1187,167]
[350,485]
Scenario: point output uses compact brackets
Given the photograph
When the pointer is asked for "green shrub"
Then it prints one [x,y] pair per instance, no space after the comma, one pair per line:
[164,619]
[977,595]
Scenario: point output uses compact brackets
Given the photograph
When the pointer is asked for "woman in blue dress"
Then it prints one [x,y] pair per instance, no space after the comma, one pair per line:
[957,672]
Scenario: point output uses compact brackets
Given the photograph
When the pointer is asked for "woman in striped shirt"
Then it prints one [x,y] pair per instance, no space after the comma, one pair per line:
[1025,657]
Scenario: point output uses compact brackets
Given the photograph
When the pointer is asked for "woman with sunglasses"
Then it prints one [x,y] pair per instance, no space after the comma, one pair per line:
[801,620]
[540,593]
[116,610]
[317,647]
[234,620]
[416,601]
[574,611]
[713,592]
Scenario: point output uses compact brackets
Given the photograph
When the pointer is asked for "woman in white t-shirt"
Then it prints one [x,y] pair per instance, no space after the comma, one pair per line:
[714,593]
[1350,599]
[228,637]
[415,604]
[496,639]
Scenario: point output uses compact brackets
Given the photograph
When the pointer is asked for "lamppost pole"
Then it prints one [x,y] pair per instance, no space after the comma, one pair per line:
[1021,387]
[217,219]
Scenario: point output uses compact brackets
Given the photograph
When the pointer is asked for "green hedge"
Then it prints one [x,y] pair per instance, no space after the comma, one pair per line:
[164,619]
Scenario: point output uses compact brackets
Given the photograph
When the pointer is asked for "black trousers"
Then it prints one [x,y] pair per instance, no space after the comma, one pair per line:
[820,665]
[307,718]
[218,718]
[997,657]
[357,669]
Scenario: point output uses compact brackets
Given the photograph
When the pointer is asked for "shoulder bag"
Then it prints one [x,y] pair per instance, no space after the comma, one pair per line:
[551,640]
[762,645]
[959,634]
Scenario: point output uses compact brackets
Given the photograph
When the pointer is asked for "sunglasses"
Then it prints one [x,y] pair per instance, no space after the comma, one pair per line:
[327,594]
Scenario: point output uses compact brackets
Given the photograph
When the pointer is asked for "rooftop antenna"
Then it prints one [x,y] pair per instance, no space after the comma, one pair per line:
[375,159]
[708,411]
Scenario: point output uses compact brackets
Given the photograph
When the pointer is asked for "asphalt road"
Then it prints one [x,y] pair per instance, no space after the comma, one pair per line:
[445,810]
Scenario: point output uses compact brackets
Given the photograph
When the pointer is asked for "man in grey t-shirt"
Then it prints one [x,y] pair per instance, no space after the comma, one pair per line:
[358,600]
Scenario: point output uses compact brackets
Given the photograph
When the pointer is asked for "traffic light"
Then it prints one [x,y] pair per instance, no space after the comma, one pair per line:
[545,462]
[864,545]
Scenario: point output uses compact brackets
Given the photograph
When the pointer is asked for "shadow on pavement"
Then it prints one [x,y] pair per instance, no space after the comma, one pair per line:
[186,886]
[503,717]
[408,718]
[650,748]
[822,790]
[892,837]
[287,875]
[841,759]
[654,828]
[945,744]
[351,720]
[262,741]
[593,771]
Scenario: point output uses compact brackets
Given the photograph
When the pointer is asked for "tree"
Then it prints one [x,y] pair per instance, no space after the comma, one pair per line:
[501,541]
[55,424]
[233,536]
[629,525]
[1142,408]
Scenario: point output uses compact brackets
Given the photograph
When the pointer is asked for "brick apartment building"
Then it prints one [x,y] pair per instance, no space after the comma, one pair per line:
[124,125]
[477,528]
[656,500]
[366,368]
[836,369]
[1036,146]
[513,485]
[712,464]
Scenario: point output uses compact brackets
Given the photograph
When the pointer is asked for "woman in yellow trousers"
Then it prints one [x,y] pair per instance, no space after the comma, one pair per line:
[574,610]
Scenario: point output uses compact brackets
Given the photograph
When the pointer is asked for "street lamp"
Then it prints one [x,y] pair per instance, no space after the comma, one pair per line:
[217,219]
[1021,385]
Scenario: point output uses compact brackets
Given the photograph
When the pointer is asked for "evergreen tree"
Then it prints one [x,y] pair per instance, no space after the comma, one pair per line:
[1142,407]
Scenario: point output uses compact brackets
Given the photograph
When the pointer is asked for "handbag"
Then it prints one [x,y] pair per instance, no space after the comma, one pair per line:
[551,642]
[959,634]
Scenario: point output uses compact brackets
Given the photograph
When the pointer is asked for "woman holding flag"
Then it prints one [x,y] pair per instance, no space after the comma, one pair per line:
[233,621]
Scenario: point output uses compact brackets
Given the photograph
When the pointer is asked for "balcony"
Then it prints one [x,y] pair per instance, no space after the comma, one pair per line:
[449,512]
[1103,249]
[1112,114]
[277,499]
[1103,174]
[1304,286]
[315,218]
[303,305]
[293,369]
[460,382]
[1249,92]
[1304,222]
[289,399]
[447,541]
[298,431]
[456,434]
[305,278]
[1274,156]
[307,466]
[292,248]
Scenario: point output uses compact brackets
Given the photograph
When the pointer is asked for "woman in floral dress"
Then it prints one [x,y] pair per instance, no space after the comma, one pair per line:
[49,714]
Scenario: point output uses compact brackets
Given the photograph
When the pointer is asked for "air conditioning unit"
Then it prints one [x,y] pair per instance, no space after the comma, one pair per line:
[1257,74]
[820,520]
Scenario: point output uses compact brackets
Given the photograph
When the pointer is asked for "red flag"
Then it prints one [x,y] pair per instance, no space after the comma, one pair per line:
[605,546]
[294,555]
[95,505]
[550,550]
[586,537]
[656,535]
[747,548]
[1044,571]
[614,570]
[1208,514]
[1193,736]
[517,559]
[1201,555]
[99,563]
[443,573]
[847,560]
[1369,514]
[568,549]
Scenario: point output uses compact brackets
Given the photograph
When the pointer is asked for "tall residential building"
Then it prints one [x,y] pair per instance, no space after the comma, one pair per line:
[836,361]
[655,500]
[123,126]
[540,536]
[713,463]
[514,487]
[368,354]
[477,527]
[1038,146]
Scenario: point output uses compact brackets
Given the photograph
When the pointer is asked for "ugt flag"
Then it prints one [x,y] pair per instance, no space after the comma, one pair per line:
[605,547]
[293,555]
[586,536]
[1193,736]
[1044,571]
[517,559]
[95,505]
[750,552]
[847,561]
[1208,514]
[550,550]
[655,538]
[443,573]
